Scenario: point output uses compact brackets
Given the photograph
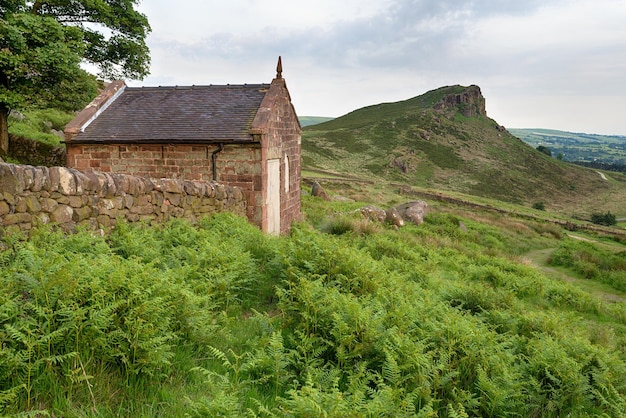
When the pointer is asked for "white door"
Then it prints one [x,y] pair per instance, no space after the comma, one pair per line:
[273,196]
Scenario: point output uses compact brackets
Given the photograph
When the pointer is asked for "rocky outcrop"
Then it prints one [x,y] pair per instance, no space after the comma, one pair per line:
[40,195]
[470,103]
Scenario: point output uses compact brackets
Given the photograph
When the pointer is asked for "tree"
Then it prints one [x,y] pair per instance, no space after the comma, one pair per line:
[607,219]
[545,150]
[43,43]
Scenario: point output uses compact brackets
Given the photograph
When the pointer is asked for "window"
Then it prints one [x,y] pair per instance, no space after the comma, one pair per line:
[287,178]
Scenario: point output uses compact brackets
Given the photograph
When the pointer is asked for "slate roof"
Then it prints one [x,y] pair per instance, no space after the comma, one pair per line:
[194,114]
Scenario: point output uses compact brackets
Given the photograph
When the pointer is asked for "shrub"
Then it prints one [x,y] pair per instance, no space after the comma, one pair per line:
[539,206]
[545,150]
[607,219]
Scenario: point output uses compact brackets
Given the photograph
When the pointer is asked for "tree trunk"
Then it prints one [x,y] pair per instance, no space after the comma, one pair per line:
[4,130]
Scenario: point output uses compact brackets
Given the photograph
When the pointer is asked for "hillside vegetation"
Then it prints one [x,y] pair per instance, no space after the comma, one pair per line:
[341,318]
[43,125]
[429,142]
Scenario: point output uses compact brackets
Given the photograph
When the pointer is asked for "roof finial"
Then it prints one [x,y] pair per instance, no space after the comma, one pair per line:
[279,68]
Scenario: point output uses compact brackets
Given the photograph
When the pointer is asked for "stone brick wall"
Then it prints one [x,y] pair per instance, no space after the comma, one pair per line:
[278,125]
[241,166]
[28,151]
[70,198]
[237,165]
[190,162]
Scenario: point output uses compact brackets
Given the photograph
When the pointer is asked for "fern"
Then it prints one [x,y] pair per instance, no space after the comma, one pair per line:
[457,411]
[390,370]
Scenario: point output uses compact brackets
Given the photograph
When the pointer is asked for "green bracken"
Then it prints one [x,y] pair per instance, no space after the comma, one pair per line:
[343,317]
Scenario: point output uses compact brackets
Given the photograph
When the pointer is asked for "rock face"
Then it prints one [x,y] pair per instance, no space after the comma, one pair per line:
[470,103]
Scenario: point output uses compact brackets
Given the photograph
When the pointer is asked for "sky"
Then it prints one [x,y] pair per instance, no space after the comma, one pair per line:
[555,64]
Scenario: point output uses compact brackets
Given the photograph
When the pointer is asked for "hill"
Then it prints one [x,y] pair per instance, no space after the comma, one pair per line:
[312,120]
[444,140]
[608,149]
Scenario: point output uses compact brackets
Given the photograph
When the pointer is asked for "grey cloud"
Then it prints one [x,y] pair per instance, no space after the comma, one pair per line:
[412,33]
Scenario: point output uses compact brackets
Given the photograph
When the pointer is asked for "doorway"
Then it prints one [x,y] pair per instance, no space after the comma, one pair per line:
[273,196]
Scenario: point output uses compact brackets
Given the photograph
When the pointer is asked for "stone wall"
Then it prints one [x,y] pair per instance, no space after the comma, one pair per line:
[70,198]
[237,165]
[28,151]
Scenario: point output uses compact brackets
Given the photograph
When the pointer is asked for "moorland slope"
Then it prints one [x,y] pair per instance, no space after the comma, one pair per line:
[444,140]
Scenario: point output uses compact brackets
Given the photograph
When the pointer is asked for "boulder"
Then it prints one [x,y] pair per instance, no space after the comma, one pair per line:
[373,213]
[318,191]
[393,217]
[414,211]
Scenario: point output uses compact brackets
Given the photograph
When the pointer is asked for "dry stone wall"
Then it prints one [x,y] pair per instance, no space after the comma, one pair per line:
[29,151]
[70,198]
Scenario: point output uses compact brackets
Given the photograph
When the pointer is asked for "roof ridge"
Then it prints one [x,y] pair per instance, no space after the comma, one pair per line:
[197,86]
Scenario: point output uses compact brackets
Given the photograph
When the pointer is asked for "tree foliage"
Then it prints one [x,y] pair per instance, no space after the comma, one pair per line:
[37,54]
[545,150]
[43,43]
[607,219]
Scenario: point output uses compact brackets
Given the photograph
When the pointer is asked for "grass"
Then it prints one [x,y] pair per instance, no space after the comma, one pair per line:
[37,124]
[541,259]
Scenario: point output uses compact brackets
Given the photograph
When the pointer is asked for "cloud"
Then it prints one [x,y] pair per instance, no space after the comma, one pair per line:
[339,56]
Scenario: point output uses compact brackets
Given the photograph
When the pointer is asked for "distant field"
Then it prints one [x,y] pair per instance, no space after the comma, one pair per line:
[610,149]
[313,120]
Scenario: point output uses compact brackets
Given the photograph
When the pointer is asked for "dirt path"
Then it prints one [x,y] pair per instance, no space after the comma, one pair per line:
[539,259]
[602,175]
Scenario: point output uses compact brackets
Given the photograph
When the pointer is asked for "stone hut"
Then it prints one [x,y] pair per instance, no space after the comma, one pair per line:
[239,135]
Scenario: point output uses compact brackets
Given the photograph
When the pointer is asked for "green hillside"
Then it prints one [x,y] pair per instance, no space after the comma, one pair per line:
[410,142]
